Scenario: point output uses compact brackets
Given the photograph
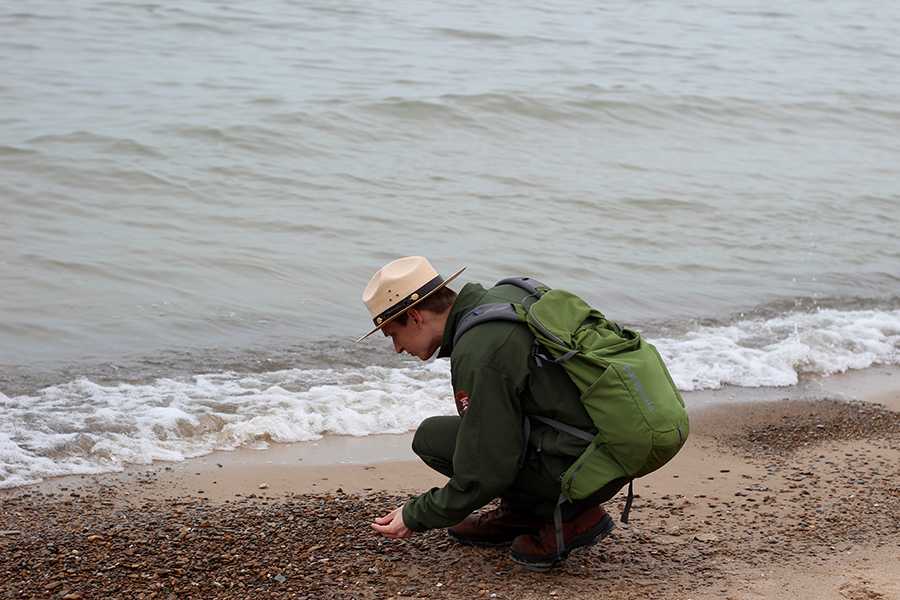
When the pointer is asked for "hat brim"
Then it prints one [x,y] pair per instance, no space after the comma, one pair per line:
[403,312]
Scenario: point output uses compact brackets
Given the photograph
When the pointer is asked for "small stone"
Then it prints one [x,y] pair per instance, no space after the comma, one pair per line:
[280,578]
[264,486]
[706,537]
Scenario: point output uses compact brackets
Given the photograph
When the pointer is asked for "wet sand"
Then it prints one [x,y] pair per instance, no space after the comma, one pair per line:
[772,499]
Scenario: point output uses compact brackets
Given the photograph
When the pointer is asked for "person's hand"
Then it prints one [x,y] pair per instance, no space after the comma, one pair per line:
[391,525]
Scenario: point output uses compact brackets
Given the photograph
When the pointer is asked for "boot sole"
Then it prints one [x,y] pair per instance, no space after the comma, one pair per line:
[588,538]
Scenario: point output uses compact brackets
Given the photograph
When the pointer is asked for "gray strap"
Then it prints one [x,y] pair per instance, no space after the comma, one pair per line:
[557,523]
[526,283]
[540,359]
[579,433]
[501,311]
[566,356]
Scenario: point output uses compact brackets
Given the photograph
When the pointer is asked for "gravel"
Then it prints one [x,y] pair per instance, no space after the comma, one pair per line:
[97,543]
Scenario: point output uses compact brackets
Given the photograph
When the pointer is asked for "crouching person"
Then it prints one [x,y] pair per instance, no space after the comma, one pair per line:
[522,422]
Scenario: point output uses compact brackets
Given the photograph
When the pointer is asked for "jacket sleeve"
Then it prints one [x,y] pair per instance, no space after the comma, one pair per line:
[488,448]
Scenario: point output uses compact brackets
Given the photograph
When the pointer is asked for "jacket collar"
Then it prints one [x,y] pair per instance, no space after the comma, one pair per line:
[470,296]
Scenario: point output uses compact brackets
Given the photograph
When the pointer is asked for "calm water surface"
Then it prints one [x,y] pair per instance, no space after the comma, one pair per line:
[211,175]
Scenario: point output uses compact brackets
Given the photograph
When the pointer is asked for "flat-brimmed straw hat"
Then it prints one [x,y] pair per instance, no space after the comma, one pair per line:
[400,285]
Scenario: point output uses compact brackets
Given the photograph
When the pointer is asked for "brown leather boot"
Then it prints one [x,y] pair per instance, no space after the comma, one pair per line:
[496,527]
[538,552]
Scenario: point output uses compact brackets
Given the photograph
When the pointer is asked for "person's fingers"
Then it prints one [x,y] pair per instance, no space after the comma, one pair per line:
[384,520]
[390,525]
[379,528]
[385,530]
[387,518]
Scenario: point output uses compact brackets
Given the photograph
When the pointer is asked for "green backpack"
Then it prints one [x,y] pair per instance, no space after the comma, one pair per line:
[625,387]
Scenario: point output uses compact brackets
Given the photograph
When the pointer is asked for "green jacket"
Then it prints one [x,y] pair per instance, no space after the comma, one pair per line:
[496,383]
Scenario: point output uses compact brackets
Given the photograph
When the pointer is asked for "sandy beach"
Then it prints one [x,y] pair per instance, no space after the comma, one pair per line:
[769,499]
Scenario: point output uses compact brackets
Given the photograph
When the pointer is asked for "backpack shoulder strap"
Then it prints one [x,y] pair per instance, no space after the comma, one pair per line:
[501,311]
[532,286]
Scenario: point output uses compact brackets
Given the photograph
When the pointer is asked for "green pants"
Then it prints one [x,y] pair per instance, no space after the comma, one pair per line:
[536,488]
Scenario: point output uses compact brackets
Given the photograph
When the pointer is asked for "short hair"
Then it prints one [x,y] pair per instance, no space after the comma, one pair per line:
[438,302]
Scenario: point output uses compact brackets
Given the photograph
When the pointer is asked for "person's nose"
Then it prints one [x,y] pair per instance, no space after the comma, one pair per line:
[397,347]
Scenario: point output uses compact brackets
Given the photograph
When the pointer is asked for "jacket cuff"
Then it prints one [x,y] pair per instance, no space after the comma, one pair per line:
[409,519]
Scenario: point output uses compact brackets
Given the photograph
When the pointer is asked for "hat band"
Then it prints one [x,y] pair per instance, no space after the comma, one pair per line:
[409,300]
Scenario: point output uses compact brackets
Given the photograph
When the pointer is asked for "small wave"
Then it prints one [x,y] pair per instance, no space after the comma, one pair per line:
[767,14]
[666,205]
[266,100]
[489,36]
[194,26]
[112,145]
[85,426]
[202,133]
[263,140]
[16,151]
[414,109]
[473,108]
[26,16]
[775,351]
[82,426]
[643,111]
[468,34]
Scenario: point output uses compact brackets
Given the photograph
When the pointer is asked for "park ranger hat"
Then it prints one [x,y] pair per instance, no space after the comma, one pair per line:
[400,285]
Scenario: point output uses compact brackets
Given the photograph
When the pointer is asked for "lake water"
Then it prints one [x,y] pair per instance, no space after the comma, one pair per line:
[194,194]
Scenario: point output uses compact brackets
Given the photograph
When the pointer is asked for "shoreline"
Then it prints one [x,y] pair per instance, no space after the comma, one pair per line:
[381,461]
[769,498]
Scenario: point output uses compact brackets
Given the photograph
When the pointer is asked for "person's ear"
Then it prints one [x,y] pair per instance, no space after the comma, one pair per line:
[416,316]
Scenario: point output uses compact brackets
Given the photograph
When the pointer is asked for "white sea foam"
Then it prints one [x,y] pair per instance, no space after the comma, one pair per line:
[774,352]
[84,427]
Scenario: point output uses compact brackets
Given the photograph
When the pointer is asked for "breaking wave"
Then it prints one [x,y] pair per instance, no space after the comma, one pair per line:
[84,427]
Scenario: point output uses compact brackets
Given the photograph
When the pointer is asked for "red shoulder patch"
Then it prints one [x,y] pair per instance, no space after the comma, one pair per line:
[462,401]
